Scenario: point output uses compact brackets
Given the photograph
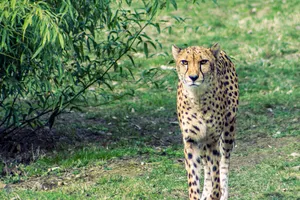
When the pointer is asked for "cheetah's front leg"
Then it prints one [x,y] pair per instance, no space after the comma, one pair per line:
[192,165]
[213,158]
[207,188]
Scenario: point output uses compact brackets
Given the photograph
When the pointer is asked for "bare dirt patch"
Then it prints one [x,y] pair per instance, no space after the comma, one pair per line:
[126,167]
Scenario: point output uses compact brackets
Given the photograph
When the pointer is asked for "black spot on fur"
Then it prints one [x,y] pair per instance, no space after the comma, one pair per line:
[214,168]
[192,131]
[216,152]
[208,158]
[196,127]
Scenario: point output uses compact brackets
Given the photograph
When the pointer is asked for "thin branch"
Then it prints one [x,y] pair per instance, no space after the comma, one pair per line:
[7,131]
[9,56]
[10,111]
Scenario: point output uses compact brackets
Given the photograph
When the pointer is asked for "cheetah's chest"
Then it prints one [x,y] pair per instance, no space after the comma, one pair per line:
[199,122]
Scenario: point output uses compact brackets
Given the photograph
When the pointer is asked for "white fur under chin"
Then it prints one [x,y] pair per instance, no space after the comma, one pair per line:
[194,92]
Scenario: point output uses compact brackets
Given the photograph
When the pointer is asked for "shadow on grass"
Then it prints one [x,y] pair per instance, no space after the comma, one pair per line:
[75,130]
[275,196]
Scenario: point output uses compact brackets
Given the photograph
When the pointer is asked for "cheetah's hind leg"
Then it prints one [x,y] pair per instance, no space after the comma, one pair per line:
[226,146]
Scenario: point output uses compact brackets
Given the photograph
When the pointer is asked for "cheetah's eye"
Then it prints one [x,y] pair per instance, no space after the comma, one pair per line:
[184,62]
[202,62]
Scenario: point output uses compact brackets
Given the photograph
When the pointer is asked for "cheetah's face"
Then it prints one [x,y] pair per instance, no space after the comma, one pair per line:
[195,65]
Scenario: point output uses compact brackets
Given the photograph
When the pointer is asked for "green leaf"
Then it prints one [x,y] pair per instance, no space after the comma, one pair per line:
[185,28]
[13,4]
[37,51]
[154,8]
[108,85]
[28,21]
[152,44]
[157,27]
[76,108]
[173,2]
[170,30]
[128,2]
[3,43]
[88,43]
[61,40]
[70,9]
[146,49]
[131,59]
[22,58]
[145,36]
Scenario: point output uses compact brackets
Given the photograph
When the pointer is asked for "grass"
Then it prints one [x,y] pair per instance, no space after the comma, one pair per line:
[137,152]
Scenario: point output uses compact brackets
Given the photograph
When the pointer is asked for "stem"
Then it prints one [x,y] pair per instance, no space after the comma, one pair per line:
[9,56]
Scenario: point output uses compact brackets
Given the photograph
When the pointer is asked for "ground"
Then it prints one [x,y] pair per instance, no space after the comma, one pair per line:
[132,148]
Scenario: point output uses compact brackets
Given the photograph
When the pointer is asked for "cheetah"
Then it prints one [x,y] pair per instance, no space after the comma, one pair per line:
[207,100]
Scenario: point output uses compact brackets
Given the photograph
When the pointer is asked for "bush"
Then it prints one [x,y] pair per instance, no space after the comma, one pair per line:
[52,51]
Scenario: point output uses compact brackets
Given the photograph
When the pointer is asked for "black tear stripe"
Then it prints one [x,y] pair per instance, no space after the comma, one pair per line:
[202,74]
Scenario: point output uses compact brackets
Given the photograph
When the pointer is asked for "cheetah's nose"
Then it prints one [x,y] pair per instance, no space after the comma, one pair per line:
[194,77]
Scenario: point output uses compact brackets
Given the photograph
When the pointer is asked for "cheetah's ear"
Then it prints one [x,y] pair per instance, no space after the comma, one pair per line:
[215,49]
[175,51]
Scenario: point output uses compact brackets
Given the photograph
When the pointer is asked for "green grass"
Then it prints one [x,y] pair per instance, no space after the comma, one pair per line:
[141,156]
[160,175]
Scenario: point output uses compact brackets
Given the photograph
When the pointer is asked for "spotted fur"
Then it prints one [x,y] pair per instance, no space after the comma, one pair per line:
[207,100]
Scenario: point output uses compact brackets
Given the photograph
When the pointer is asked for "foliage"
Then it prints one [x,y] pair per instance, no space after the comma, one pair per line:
[52,52]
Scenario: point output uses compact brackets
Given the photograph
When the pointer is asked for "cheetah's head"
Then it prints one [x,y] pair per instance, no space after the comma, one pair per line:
[196,65]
